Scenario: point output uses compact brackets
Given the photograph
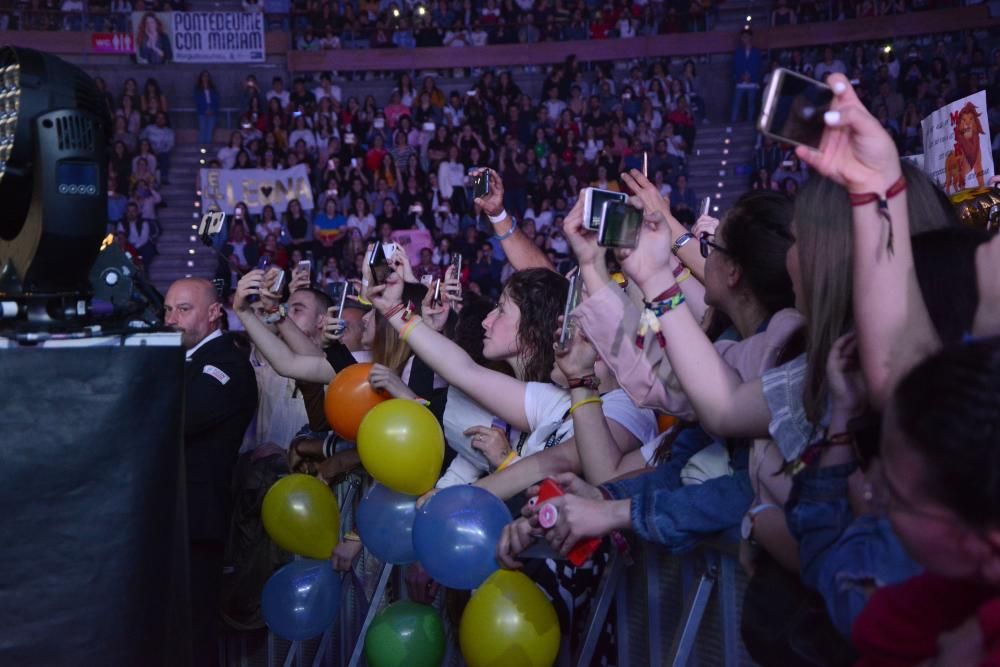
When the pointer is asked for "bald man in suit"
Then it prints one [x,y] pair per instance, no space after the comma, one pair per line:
[220,401]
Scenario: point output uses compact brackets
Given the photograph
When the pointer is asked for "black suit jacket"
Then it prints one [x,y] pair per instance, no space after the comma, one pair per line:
[220,400]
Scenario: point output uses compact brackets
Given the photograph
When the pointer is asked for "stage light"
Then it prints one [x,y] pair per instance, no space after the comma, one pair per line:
[395,12]
[54,129]
[887,48]
[421,10]
[749,18]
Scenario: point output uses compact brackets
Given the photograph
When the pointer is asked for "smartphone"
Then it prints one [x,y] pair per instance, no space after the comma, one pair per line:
[264,262]
[331,164]
[645,164]
[305,265]
[706,206]
[593,205]
[378,262]
[584,549]
[572,301]
[620,225]
[279,283]
[338,292]
[354,162]
[427,280]
[793,109]
[481,184]
[456,261]
[436,296]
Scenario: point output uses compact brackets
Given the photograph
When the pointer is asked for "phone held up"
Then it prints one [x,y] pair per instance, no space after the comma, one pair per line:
[593,205]
[793,109]
[706,206]
[481,184]
[338,291]
[620,225]
[378,262]
[572,301]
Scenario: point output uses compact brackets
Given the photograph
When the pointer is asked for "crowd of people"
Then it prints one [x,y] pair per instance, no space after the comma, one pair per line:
[831,361]
[900,86]
[95,15]
[377,168]
[141,146]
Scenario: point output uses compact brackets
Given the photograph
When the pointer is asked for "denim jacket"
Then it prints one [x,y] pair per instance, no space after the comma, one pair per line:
[676,516]
[841,554]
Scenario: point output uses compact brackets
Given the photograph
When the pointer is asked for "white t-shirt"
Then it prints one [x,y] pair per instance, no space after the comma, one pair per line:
[547,406]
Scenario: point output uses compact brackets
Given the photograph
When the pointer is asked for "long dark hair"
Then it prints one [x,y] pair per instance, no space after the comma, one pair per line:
[540,295]
[949,409]
[757,235]
[824,234]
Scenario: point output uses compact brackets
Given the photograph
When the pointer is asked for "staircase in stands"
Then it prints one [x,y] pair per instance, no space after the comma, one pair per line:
[722,163]
[181,253]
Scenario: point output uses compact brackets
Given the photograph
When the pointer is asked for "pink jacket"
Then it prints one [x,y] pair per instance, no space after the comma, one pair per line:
[610,320]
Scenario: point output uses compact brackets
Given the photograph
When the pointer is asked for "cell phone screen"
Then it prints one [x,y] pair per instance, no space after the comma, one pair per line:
[456,261]
[481,185]
[794,111]
[436,298]
[572,301]
[597,198]
[379,264]
[706,206]
[620,225]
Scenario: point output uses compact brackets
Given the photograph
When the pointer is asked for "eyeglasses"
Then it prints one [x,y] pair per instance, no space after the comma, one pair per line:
[706,245]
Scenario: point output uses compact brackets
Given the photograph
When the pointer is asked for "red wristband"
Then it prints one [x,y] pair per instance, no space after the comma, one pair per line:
[870,197]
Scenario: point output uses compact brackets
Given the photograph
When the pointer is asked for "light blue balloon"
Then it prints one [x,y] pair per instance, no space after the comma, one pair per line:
[385,524]
[456,533]
[301,600]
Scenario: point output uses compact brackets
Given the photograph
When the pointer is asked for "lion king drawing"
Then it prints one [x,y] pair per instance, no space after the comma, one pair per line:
[967,154]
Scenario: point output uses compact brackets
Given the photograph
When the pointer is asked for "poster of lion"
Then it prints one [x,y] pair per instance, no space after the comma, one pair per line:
[957,152]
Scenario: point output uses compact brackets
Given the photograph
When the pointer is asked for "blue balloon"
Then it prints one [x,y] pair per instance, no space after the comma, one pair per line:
[301,600]
[385,523]
[455,535]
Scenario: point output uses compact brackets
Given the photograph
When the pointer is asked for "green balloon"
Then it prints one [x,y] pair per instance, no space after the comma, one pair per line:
[405,634]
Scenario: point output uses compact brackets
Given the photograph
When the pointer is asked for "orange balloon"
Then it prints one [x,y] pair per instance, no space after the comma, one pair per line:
[349,398]
[665,422]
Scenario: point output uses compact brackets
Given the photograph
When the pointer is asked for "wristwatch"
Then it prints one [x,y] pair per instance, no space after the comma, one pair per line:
[681,241]
[280,313]
[746,526]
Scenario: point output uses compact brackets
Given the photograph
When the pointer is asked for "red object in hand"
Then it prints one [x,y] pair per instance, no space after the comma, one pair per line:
[583,549]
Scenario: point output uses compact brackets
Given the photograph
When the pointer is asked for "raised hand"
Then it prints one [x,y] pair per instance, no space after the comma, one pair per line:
[855,150]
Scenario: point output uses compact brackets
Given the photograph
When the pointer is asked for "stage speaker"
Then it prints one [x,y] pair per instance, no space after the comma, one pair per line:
[93,560]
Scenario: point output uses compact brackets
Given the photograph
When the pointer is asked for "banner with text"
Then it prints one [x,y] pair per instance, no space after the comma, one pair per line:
[222,189]
[957,151]
[198,37]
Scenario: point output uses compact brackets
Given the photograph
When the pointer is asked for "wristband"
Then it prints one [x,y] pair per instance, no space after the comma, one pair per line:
[863,199]
[329,446]
[499,217]
[507,461]
[589,381]
[592,399]
[410,326]
[510,232]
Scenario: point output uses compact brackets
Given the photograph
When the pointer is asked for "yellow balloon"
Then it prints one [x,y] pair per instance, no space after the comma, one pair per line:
[401,445]
[509,621]
[300,514]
